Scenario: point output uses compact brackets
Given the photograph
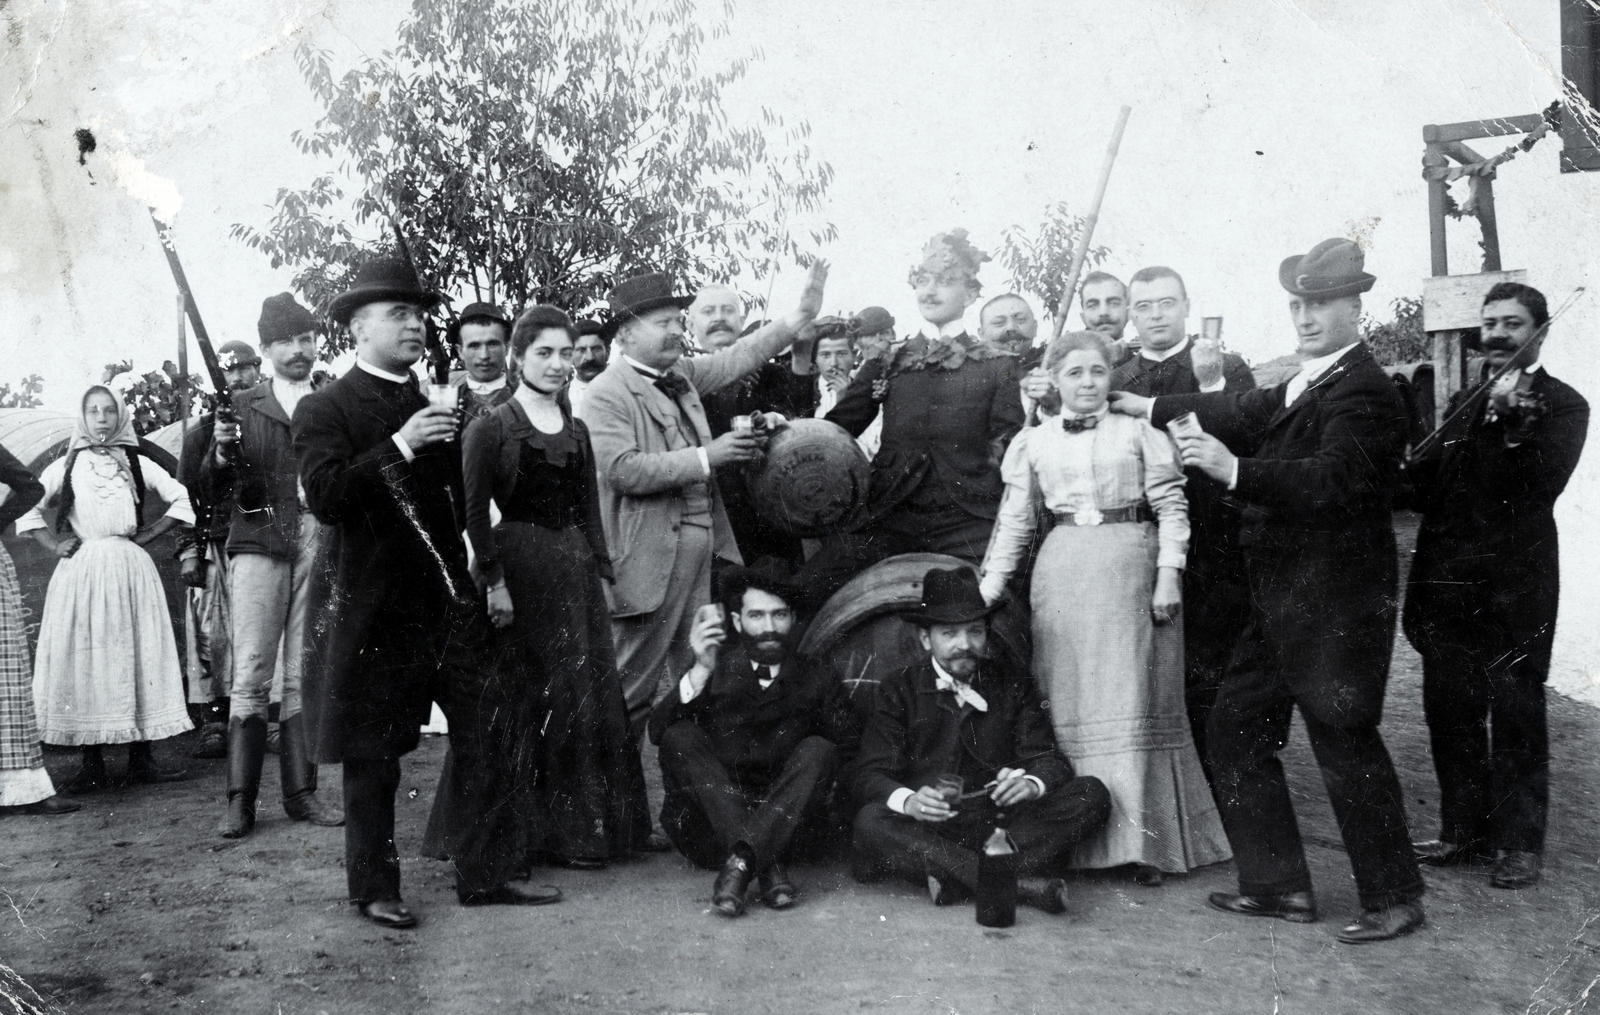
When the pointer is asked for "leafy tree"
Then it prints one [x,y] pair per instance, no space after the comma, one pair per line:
[1039,261]
[154,396]
[1401,340]
[26,396]
[537,150]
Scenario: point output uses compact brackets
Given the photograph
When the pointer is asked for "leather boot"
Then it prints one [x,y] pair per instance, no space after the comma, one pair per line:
[299,774]
[247,746]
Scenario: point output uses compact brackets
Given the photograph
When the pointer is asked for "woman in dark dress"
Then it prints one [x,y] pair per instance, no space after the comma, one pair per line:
[583,801]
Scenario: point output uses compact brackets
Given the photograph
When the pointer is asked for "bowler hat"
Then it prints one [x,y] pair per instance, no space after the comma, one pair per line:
[636,296]
[236,354]
[950,596]
[379,280]
[476,312]
[282,317]
[1331,269]
[871,321]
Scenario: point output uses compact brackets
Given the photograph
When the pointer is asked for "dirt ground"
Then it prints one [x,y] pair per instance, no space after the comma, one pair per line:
[134,905]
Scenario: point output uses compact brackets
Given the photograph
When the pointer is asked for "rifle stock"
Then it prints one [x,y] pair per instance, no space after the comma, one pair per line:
[436,350]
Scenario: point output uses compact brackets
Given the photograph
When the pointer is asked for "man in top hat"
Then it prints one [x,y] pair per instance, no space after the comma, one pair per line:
[400,625]
[1216,594]
[1482,595]
[749,741]
[958,713]
[589,357]
[479,337]
[271,550]
[1314,461]
[657,463]
[204,568]
[949,406]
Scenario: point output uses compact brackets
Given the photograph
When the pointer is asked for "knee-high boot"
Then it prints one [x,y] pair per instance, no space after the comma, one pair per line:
[299,774]
[247,747]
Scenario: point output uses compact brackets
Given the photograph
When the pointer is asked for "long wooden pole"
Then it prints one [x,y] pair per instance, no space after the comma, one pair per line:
[1082,250]
[183,368]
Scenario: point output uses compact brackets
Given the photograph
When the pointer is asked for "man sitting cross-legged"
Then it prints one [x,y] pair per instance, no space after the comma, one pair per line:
[747,742]
[959,714]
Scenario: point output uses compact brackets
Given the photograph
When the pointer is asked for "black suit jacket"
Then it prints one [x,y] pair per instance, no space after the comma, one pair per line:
[949,427]
[918,733]
[392,587]
[1317,479]
[754,731]
[1487,565]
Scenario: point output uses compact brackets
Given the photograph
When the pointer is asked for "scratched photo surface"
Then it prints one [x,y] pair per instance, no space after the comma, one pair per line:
[846,130]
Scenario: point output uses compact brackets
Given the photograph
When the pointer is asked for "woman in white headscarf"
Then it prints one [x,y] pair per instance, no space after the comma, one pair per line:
[106,670]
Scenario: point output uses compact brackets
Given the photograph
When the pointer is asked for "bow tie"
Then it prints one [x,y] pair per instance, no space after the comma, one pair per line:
[1078,424]
[674,386]
[965,695]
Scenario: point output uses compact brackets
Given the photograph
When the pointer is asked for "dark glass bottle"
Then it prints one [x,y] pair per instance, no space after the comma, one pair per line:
[997,881]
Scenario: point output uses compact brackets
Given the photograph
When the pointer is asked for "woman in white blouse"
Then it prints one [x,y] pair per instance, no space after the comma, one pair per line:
[1106,596]
[106,671]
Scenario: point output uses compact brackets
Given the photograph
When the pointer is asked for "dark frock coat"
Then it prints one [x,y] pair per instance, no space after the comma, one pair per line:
[1317,479]
[396,601]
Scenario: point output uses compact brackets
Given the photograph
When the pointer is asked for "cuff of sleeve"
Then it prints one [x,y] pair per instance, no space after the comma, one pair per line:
[1233,480]
[1172,557]
[705,461]
[686,691]
[1037,782]
[992,586]
[897,799]
[1219,384]
[405,449]
[1150,411]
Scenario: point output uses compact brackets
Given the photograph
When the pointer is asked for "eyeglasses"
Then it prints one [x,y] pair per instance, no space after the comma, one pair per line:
[1145,306]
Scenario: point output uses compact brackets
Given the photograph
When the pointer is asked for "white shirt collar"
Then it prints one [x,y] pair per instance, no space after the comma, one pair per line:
[949,329]
[486,387]
[960,688]
[1161,356]
[1314,368]
[647,371]
[386,375]
[772,672]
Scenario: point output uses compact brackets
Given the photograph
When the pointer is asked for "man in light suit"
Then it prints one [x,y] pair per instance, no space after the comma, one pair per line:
[657,463]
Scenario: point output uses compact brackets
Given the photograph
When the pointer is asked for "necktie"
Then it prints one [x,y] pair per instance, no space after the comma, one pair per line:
[1078,424]
[674,386]
[964,695]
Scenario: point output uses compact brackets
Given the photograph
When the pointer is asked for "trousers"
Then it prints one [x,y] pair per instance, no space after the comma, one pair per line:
[889,844]
[207,627]
[653,648]
[707,812]
[270,599]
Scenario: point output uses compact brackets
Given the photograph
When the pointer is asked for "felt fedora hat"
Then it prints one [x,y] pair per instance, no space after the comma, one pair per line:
[871,321]
[380,280]
[636,296]
[1331,269]
[950,596]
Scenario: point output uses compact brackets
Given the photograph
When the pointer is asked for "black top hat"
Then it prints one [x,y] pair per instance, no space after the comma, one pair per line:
[476,312]
[282,317]
[1332,268]
[636,296]
[950,596]
[380,280]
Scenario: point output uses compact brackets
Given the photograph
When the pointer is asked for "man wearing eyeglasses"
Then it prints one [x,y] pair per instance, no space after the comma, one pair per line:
[1216,592]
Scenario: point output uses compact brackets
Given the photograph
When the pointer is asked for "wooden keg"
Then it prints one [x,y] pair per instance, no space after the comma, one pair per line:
[859,631]
[813,481]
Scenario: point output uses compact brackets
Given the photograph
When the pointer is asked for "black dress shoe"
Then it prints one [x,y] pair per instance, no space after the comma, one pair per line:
[1147,875]
[52,805]
[1047,896]
[1439,853]
[776,889]
[727,892]
[510,895]
[391,913]
[1515,868]
[1383,924]
[1296,907]
[947,891]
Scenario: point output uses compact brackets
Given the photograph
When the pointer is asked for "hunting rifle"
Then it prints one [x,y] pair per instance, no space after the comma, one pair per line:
[436,350]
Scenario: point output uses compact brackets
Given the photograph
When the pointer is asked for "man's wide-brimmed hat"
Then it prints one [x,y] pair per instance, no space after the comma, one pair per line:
[282,317]
[636,296]
[950,596]
[1332,268]
[477,312]
[381,280]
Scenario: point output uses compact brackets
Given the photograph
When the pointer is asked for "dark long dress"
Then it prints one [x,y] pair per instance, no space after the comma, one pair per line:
[581,787]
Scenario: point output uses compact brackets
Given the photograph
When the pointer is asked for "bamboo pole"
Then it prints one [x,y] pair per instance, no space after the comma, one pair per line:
[183,368]
[1082,250]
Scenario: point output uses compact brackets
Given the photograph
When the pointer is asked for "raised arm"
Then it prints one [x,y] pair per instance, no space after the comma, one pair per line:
[744,357]
[1356,461]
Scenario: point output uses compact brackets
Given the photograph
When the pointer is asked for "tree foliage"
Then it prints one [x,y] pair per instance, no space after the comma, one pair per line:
[26,395]
[537,150]
[153,397]
[1401,340]
[1039,261]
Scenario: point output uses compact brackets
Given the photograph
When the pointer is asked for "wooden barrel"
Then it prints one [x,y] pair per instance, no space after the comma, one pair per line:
[813,481]
[859,631]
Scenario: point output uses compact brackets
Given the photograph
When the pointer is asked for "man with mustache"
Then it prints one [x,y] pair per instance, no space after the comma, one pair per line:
[204,567]
[715,320]
[1482,595]
[479,337]
[658,462]
[589,358]
[1007,323]
[748,742]
[843,347]
[1103,304]
[959,714]
[272,543]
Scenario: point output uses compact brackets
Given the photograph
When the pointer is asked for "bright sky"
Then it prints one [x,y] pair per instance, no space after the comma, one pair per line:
[1259,127]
